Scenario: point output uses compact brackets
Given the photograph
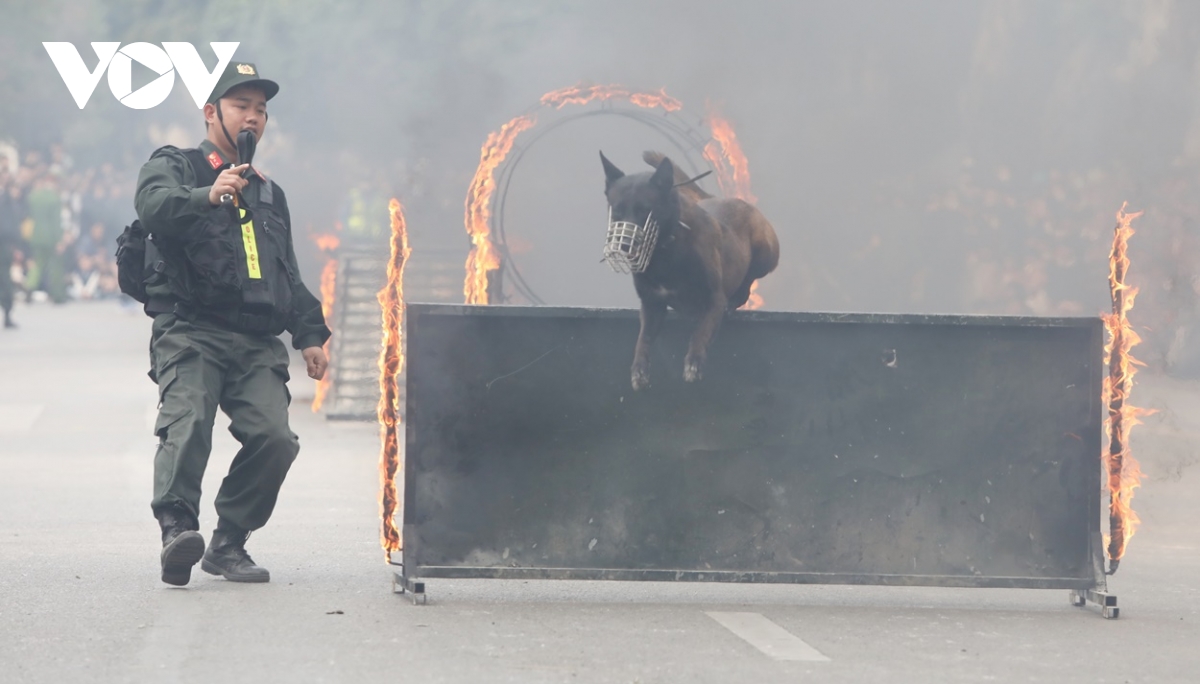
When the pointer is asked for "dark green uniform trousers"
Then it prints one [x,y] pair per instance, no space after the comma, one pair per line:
[198,367]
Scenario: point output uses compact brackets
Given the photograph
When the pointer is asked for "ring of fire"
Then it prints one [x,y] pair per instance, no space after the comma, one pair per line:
[682,137]
[721,150]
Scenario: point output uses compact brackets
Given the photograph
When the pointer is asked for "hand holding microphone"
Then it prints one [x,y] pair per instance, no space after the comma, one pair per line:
[228,184]
[231,181]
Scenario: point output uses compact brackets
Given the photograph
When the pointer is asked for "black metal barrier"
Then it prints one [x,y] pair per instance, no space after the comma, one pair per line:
[957,451]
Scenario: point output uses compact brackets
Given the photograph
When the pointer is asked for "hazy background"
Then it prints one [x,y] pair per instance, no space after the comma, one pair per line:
[918,156]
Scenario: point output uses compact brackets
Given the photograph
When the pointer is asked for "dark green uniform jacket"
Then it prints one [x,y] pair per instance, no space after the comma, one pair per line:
[170,202]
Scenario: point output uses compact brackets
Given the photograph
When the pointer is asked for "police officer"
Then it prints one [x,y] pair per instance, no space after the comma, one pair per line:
[224,284]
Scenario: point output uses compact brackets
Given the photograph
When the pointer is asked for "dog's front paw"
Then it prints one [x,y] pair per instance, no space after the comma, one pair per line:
[640,377]
[692,371]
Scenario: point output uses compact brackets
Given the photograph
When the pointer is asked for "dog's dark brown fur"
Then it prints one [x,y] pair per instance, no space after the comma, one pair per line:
[709,252]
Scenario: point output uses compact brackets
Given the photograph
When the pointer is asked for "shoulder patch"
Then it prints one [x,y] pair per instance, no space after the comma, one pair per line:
[214,160]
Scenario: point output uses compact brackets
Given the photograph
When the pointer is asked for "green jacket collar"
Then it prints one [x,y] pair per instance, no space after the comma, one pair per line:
[213,155]
[217,160]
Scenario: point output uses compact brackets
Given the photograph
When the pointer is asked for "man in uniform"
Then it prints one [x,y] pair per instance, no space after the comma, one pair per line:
[49,241]
[220,294]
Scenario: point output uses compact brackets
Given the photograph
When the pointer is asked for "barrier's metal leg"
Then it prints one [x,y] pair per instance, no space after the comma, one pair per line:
[404,585]
[1106,601]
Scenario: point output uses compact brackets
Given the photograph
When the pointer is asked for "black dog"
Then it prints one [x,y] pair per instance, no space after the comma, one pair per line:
[687,250]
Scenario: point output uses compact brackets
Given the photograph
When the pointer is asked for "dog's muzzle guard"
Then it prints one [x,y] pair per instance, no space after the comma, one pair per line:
[628,246]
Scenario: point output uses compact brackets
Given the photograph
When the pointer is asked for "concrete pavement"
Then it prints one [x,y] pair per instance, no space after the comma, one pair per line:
[80,598]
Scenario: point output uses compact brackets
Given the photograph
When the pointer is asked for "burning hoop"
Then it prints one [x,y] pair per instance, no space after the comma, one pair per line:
[488,192]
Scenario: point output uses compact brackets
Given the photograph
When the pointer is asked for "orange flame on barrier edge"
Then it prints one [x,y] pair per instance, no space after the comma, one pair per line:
[391,364]
[1124,474]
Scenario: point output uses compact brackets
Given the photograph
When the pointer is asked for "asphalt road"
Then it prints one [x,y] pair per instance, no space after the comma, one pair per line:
[80,598]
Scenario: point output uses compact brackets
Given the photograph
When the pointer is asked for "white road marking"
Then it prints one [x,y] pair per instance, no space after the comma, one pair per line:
[19,418]
[768,637]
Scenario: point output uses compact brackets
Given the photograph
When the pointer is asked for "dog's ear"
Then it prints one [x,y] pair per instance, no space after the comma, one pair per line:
[611,173]
[664,178]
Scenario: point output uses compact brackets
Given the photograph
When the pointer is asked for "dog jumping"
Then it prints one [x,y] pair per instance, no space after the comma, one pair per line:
[686,250]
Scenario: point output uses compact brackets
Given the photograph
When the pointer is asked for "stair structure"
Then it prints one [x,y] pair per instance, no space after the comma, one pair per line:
[435,276]
[430,276]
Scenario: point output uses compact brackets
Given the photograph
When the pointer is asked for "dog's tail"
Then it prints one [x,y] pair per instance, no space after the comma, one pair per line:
[681,179]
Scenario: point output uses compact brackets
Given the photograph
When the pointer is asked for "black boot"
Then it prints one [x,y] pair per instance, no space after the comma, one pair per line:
[182,545]
[226,556]
[8,321]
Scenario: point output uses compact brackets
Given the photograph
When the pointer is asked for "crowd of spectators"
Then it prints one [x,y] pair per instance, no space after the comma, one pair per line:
[58,227]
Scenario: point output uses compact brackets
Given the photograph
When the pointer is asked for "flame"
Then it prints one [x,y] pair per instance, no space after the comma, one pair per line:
[581,95]
[726,156]
[328,287]
[1124,474]
[483,256]
[733,175]
[755,301]
[391,363]
[327,242]
[723,152]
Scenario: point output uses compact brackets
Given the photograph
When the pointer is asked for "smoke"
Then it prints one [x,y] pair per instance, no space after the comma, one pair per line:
[927,156]
[914,157]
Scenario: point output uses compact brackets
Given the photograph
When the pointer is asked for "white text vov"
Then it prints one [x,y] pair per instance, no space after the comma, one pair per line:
[165,61]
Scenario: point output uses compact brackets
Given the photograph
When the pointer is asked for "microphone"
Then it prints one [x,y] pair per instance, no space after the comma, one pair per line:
[246,143]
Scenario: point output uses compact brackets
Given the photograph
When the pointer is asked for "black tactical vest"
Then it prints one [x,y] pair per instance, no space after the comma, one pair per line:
[232,268]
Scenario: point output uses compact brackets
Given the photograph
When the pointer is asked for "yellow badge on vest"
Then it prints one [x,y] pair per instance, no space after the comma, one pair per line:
[251,246]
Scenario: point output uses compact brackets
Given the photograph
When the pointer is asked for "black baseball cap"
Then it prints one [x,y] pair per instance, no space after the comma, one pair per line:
[241,73]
